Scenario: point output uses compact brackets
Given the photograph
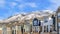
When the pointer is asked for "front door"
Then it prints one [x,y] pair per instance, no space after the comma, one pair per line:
[20,30]
[13,29]
[26,29]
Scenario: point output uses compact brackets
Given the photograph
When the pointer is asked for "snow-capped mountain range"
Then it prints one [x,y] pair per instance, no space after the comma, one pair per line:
[33,14]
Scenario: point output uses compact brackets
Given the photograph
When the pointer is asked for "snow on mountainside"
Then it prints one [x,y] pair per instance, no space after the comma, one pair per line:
[14,18]
[27,15]
[49,11]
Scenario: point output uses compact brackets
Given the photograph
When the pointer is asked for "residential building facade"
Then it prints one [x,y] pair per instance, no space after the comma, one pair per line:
[32,23]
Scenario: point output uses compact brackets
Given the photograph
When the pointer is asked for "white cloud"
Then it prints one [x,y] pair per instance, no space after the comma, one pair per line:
[33,5]
[1,18]
[13,4]
[21,6]
[52,7]
[55,1]
[2,3]
[55,4]
[18,0]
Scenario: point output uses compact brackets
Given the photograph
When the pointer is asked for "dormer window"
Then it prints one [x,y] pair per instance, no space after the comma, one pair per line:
[35,22]
[45,19]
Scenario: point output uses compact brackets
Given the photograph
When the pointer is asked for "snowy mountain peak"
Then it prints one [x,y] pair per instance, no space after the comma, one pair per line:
[21,16]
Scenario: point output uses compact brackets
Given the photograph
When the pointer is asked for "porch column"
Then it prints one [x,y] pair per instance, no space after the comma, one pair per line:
[56,23]
[42,28]
[48,28]
[4,29]
[42,24]
[14,32]
[16,29]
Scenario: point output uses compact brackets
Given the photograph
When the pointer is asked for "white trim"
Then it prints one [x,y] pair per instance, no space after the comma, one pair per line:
[0,28]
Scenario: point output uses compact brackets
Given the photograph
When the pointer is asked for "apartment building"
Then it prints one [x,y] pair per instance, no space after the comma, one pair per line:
[44,22]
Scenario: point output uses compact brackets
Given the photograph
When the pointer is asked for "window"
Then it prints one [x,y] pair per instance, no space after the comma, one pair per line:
[36,28]
[13,27]
[35,22]
[19,27]
[45,19]
[13,31]
[59,25]
[59,15]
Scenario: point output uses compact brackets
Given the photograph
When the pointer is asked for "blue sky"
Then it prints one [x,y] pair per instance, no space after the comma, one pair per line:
[11,7]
